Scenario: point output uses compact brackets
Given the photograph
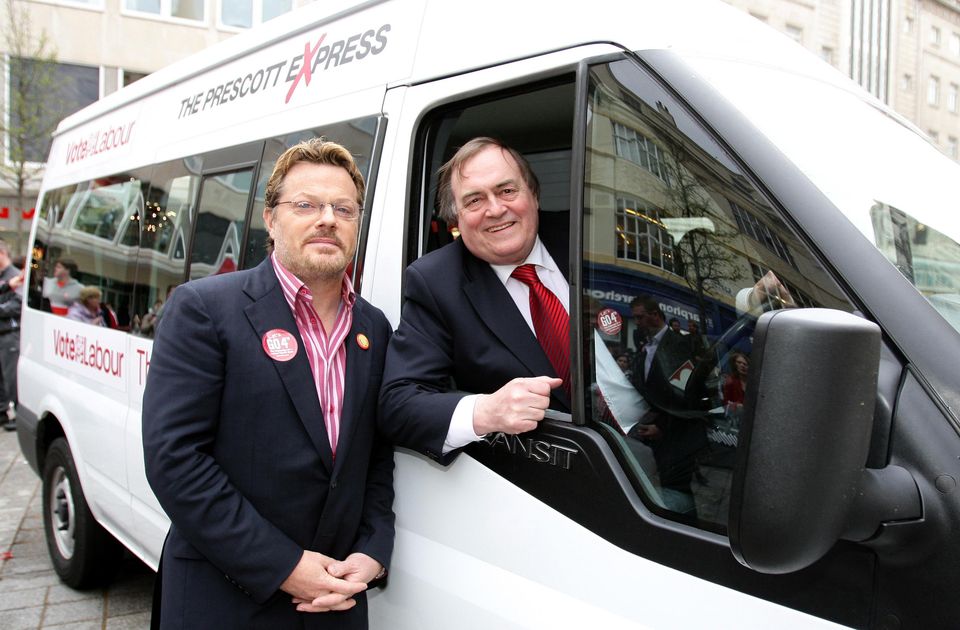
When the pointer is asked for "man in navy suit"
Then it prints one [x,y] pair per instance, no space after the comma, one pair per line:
[468,357]
[675,431]
[259,422]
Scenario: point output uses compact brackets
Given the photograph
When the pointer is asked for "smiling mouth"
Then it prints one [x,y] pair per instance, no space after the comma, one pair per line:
[501,227]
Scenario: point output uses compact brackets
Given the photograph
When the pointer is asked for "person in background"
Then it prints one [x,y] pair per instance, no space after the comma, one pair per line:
[735,384]
[11,279]
[676,438]
[675,326]
[87,308]
[63,289]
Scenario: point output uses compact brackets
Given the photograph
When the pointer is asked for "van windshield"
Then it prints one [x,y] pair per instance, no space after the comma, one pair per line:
[888,179]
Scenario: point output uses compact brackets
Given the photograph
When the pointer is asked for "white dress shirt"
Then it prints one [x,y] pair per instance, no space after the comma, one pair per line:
[461,431]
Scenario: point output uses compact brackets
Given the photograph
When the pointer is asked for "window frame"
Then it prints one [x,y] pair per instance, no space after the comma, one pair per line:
[256,16]
[933,91]
[165,15]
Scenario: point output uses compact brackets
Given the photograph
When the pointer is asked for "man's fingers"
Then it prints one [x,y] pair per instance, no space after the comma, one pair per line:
[343,587]
[329,600]
[310,608]
[540,385]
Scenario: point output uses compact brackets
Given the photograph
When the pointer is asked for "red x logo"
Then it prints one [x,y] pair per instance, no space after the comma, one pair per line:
[307,68]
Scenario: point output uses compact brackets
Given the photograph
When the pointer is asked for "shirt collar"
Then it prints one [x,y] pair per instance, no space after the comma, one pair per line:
[292,286]
[655,340]
[538,256]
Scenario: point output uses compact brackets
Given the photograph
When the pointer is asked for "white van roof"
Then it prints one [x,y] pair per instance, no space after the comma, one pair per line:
[434,38]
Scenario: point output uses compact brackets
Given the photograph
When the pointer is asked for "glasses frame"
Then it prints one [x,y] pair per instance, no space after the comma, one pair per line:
[302,206]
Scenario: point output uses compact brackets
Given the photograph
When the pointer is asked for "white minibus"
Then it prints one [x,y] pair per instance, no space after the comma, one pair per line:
[685,152]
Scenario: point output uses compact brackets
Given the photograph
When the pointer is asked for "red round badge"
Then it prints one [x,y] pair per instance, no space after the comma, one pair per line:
[609,321]
[280,345]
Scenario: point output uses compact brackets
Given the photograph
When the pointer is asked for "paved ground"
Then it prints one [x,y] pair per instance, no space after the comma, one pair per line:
[31,595]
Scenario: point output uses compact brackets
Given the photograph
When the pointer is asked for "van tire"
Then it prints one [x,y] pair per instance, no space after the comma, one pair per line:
[84,555]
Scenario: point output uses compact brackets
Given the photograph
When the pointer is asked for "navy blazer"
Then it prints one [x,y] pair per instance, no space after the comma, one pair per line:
[237,453]
[460,333]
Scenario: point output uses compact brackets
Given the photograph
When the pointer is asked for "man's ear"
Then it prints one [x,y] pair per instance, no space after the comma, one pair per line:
[268,217]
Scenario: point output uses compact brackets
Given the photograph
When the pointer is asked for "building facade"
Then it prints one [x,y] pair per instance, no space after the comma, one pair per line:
[904,52]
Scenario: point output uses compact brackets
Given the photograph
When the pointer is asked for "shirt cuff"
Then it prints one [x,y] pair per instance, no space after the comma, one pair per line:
[745,301]
[461,432]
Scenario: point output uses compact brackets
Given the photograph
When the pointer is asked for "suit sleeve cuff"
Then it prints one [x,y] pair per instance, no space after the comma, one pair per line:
[461,432]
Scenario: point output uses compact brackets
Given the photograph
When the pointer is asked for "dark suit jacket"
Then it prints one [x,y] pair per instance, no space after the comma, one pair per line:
[238,456]
[460,333]
[683,434]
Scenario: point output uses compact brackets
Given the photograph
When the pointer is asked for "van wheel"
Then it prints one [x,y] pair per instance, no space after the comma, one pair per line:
[83,553]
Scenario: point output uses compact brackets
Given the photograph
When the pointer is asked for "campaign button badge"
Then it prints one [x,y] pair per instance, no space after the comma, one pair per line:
[609,322]
[362,341]
[280,345]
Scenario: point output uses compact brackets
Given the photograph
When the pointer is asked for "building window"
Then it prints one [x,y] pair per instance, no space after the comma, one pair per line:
[955,44]
[641,150]
[908,25]
[247,13]
[641,235]
[180,9]
[759,16]
[935,136]
[60,88]
[952,147]
[933,91]
[953,95]
[934,36]
[906,82]
[131,77]
[795,33]
[826,53]
[87,4]
[761,232]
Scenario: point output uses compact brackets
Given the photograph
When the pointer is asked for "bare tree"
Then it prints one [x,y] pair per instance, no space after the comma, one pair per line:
[704,258]
[32,111]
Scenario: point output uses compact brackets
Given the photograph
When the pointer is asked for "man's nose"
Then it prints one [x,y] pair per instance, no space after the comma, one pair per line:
[496,206]
[325,215]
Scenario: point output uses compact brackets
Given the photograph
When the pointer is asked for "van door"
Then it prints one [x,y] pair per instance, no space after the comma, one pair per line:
[616,515]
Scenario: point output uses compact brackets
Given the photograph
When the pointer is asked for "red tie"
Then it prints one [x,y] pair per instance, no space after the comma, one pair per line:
[550,321]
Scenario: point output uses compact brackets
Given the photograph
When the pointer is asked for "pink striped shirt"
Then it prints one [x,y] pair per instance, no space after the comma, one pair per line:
[327,353]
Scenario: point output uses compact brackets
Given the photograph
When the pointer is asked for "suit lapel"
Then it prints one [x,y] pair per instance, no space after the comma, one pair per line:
[269,311]
[498,311]
[355,380]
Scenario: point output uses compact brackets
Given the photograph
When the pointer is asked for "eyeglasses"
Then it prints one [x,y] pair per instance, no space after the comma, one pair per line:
[346,210]
[480,202]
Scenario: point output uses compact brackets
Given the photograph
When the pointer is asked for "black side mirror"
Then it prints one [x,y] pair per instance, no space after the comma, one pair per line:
[804,436]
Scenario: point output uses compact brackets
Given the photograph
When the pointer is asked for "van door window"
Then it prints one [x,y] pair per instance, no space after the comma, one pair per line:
[537,122]
[222,209]
[681,252]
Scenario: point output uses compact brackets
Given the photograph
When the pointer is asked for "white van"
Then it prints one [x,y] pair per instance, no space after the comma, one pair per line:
[685,151]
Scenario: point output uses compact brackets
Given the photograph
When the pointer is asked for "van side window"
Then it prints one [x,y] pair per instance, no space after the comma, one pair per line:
[681,252]
[82,243]
[166,217]
[356,135]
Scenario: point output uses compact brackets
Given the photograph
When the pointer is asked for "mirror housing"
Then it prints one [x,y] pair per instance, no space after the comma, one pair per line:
[804,436]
